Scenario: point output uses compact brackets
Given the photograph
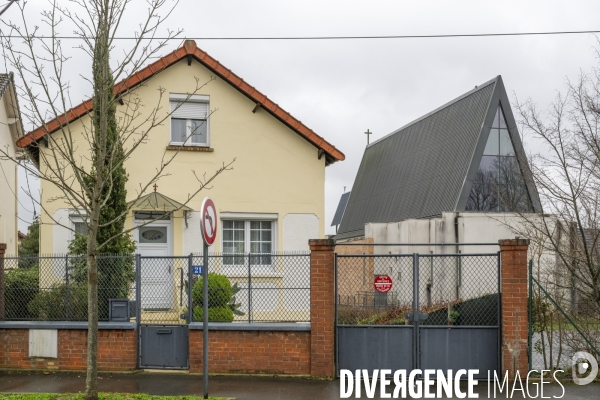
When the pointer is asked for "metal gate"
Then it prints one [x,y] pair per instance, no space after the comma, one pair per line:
[162,312]
[442,312]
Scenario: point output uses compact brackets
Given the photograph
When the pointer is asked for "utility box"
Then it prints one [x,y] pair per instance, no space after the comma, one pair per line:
[118,310]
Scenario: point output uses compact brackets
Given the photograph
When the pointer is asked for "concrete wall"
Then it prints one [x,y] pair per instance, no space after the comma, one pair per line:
[276,170]
[445,272]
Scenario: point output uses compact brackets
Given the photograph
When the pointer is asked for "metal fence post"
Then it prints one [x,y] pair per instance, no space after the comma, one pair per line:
[2,282]
[529,337]
[191,287]
[249,290]
[68,297]
[205,318]
[415,311]
[499,311]
[138,305]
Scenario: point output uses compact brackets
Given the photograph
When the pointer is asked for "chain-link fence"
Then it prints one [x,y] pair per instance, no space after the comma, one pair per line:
[272,287]
[451,289]
[459,289]
[54,288]
[242,288]
[561,323]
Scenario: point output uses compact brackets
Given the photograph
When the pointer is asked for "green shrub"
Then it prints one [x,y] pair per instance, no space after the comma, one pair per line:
[21,287]
[55,305]
[222,305]
[219,291]
[215,314]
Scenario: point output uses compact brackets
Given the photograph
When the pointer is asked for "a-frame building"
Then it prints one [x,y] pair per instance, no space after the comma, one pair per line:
[464,156]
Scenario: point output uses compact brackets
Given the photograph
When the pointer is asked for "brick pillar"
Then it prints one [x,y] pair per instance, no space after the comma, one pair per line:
[322,308]
[514,323]
[2,251]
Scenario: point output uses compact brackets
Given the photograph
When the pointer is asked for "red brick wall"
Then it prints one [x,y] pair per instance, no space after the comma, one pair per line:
[252,352]
[14,348]
[116,350]
[322,308]
[513,276]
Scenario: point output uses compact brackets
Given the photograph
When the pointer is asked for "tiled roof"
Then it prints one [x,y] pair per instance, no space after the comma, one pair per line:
[190,49]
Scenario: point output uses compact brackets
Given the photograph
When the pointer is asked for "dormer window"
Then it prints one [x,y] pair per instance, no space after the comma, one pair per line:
[189,120]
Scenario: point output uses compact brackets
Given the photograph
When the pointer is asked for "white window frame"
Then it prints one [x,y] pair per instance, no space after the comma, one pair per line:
[75,219]
[247,218]
[196,98]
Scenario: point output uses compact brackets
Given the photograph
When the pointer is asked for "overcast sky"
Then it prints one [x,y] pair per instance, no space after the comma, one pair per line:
[341,88]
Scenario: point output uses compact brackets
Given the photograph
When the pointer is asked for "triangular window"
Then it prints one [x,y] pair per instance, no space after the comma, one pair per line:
[499,185]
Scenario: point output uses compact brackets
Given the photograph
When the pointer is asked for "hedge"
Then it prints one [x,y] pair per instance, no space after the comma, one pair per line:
[21,287]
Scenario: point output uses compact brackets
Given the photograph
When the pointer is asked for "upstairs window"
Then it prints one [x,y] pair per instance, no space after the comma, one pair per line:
[189,120]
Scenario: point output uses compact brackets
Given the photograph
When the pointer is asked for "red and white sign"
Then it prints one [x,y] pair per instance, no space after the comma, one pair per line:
[382,283]
[208,224]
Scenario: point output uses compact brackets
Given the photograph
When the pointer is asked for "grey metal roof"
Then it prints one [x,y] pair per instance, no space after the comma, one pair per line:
[427,167]
[339,213]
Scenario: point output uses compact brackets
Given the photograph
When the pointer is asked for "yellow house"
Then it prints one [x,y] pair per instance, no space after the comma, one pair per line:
[10,130]
[272,200]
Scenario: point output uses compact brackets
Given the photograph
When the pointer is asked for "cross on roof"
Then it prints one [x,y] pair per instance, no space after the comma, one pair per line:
[155,187]
[368,133]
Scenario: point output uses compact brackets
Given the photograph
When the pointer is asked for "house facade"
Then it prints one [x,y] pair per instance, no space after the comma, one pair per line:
[272,199]
[10,131]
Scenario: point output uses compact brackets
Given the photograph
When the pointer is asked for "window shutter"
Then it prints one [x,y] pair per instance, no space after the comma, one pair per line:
[189,110]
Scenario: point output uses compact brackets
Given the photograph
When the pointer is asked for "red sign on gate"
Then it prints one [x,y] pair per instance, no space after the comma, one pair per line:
[382,283]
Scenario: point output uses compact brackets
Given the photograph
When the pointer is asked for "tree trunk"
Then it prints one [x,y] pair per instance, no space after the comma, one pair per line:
[103,97]
[91,382]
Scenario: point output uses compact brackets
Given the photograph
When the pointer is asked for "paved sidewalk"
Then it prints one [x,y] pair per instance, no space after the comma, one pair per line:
[242,388]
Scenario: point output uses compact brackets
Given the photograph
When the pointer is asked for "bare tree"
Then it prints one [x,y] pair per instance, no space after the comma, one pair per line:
[567,175]
[84,174]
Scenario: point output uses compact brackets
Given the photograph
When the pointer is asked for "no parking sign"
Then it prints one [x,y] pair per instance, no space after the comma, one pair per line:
[382,283]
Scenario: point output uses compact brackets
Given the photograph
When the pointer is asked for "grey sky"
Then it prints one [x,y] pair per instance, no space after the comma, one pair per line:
[342,88]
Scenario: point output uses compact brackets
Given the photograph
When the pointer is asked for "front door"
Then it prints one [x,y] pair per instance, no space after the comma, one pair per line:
[154,246]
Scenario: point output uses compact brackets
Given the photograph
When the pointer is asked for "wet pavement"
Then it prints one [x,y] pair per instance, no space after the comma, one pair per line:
[242,388]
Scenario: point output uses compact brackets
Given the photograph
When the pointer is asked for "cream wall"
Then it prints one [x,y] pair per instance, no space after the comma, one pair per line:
[8,183]
[473,227]
[276,170]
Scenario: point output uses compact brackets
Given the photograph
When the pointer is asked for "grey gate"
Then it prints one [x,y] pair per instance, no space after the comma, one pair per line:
[442,312]
[161,312]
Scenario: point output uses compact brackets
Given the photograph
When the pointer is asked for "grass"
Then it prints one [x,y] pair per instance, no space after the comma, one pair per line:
[103,396]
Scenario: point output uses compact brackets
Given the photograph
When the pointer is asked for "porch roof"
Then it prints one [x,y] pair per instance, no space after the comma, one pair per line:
[156,201]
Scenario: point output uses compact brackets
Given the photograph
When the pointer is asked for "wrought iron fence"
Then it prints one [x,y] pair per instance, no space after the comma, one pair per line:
[451,289]
[251,288]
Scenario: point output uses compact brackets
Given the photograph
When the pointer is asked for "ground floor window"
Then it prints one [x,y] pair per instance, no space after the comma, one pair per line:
[243,237]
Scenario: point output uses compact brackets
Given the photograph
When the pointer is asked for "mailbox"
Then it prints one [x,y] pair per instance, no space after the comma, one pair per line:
[118,310]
